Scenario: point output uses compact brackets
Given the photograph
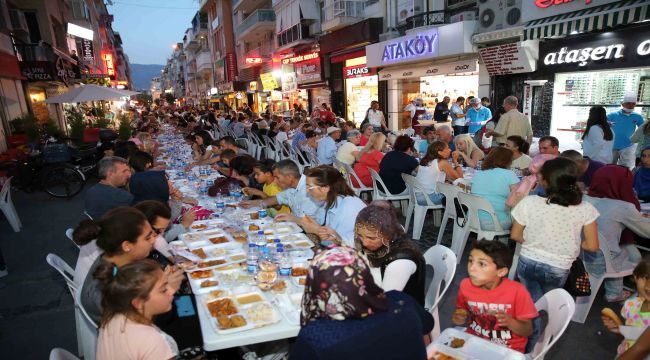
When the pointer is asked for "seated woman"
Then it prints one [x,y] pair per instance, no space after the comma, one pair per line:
[370,158]
[380,236]
[366,131]
[326,185]
[494,183]
[435,168]
[131,296]
[467,150]
[642,176]
[397,162]
[202,140]
[520,159]
[612,195]
[342,319]
[242,168]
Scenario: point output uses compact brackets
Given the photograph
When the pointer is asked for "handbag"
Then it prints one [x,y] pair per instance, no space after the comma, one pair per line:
[577,283]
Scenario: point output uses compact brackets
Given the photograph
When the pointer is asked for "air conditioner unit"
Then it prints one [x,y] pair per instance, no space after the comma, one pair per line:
[17,21]
[498,14]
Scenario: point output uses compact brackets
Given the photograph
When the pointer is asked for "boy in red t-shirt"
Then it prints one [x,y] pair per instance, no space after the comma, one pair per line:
[498,309]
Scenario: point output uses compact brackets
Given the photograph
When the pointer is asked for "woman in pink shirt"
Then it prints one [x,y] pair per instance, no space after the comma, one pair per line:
[371,156]
[132,296]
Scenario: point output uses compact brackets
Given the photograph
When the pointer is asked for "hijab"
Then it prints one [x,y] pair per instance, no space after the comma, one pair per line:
[642,179]
[615,182]
[339,286]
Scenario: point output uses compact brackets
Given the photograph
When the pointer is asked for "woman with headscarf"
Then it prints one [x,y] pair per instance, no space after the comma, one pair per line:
[345,315]
[611,194]
[642,176]
[379,235]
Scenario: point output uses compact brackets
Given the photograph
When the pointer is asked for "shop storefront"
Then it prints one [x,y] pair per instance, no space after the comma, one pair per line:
[429,64]
[595,70]
[361,88]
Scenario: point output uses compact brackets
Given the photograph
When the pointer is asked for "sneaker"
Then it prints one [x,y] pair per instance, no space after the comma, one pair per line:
[4,273]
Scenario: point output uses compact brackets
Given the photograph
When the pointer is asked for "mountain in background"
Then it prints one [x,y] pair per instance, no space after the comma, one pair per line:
[141,74]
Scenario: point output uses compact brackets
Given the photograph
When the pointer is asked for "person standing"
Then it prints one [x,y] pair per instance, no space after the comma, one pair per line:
[598,138]
[624,123]
[376,117]
[477,115]
[441,112]
[457,114]
[416,109]
[512,123]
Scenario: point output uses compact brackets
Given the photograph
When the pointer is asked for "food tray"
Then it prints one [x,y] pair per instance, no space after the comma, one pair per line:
[271,228]
[203,238]
[441,352]
[289,306]
[475,347]
[203,225]
[245,312]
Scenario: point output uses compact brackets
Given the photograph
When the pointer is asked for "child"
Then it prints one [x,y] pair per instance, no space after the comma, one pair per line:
[636,309]
[264,175]
[499,310]
[131,297]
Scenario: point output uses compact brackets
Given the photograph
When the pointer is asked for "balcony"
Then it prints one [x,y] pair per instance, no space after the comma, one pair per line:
[203,62]
[192,45]
[295,35]
[339,14]
[256,25]
[248,6]
[425,19]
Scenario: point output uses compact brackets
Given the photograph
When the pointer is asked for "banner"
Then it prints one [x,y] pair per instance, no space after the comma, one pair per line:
[268,82]
[87,53]
[289,83]
[308,71]
[358,71]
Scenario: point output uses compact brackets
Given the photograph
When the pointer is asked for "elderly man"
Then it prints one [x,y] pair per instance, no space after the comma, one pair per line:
[348,151]
[624,123]
[441,112]
[586,166]
[114,173]
[549,145]
[477,115]
[444,134]
[294,194]
[327,146]
[512,123]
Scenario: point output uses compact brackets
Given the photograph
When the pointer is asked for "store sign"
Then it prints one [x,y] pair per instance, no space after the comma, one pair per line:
[87,53]
[514,58]
[308,71]
[625,48]
[80,32]
[420,46]
[231,67]
[94,76]
[537,9]
[268,81]
[227,87]
[110,67]
[301,57]
[356,71]
[469,66]
[289,82]
[37,70]
[252,86]
[253,60]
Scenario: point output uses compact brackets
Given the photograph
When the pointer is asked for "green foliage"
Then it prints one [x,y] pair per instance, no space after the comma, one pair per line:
[51,128]
[75,119]
[169,98]
[124,130]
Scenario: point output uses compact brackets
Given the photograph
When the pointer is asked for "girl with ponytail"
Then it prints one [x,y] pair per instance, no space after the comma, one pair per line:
[131,296]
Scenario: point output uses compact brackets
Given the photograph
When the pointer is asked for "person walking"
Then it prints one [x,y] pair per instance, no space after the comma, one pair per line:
[512,123]
[624,123]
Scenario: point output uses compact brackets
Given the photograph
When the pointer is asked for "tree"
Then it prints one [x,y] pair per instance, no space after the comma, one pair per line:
[124,130]
[75,119]
[169,98]
[144,99]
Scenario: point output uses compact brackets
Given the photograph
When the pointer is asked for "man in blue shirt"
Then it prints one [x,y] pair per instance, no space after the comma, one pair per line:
[477,115]
[327,146]
[624,122]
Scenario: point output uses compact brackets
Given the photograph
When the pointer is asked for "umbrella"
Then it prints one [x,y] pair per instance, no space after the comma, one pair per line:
[90,93]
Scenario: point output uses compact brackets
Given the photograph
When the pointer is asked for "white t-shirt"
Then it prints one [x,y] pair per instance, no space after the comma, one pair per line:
[429,176]
[345,153]
[552,233]
[521,162]
[596,147]
[281,137]
[454,112]
[127,340]
[375,117]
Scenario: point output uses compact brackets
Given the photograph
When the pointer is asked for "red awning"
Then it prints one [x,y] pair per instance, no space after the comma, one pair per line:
[9,67]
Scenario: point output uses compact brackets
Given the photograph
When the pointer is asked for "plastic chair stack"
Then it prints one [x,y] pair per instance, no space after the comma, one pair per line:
[559,306]
[418,211]
[583,303]
[443,262]
[7,206]
[474,204]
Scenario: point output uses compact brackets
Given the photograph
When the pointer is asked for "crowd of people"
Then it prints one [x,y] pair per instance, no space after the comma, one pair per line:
[557,205]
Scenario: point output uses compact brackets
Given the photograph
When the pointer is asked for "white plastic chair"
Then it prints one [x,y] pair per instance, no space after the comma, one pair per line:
[87,329]
[450,192]
[583,303]
[272,148]
[61,354]
[68,275]
[68,234]
[474,204]
[559,306]
[515,262]
[358,190]
[443,261]
[377,194]
[419,211]
[7,206]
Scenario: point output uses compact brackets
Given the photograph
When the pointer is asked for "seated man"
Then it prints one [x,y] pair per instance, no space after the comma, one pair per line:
[444,134]
[430,136]
[549,145]
[114,173]
[327,146]
[586,166]
[348,151]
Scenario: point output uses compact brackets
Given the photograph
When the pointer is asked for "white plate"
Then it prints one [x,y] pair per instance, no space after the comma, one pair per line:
[476,347]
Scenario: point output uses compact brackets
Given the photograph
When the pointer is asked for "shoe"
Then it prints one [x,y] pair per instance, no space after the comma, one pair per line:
[4,273]
[626,294]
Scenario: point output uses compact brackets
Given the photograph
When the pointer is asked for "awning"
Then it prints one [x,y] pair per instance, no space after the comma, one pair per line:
[591,19]
[456,68]
[314,85]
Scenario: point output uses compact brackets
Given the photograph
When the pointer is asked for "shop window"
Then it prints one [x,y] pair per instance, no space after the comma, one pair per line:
[32,25]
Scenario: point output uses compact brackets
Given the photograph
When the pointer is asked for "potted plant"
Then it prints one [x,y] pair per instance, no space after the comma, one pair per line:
[124,130]
[75,119]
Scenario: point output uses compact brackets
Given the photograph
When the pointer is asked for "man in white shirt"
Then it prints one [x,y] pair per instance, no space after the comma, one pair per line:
[327,146]
[458,116]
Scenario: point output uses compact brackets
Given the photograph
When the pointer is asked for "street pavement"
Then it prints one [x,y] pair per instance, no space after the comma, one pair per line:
[37,311]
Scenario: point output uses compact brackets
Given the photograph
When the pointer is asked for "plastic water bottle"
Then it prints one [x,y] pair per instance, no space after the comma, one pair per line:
[277,246]
[260,239]
[221,205]
[252,257]
[266,255]
[285,262]
[204,188]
